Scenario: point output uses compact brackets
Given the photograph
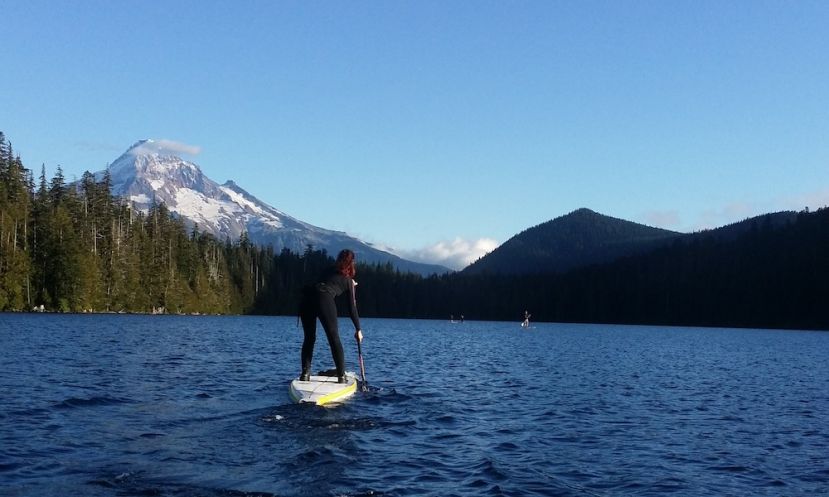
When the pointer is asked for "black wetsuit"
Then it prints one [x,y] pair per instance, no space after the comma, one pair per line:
[318,302]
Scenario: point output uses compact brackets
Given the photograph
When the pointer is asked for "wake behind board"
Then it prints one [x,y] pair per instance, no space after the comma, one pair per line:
[322,390]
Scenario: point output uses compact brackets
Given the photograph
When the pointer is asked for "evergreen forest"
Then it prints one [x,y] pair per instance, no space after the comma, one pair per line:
[74,247]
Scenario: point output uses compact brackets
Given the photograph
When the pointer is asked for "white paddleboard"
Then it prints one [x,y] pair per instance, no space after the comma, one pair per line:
[322,390]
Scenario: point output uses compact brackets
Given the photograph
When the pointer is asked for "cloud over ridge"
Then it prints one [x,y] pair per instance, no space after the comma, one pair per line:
[454,254]
[165,146]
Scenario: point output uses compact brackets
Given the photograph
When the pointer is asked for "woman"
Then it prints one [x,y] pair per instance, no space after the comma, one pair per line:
[318,302]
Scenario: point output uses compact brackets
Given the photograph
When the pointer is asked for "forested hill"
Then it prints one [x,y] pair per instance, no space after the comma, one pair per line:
[76,248]
[578,239]
[731,232]
[758,273]
[773,274]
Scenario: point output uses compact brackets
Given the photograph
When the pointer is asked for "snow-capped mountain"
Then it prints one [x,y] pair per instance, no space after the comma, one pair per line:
[148,172]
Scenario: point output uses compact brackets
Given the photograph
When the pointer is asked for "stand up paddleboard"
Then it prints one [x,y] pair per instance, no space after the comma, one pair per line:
[322,390]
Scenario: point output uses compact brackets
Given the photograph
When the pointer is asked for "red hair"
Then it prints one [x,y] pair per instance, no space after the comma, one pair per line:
[345,263]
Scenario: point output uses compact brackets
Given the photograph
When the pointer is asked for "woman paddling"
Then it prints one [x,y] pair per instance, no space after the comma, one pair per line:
[318,302]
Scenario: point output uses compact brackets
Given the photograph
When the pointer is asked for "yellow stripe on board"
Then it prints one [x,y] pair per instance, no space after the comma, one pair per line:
[337,395]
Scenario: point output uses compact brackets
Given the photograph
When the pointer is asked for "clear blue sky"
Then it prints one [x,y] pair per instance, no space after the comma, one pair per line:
[414,124]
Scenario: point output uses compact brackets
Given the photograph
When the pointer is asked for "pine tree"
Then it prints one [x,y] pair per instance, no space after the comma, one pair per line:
[15,200]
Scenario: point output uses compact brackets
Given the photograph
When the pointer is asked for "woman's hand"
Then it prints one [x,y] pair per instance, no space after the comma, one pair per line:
[358,335]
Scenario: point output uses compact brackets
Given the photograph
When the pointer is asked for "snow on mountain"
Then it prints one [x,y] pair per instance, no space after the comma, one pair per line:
[148,171]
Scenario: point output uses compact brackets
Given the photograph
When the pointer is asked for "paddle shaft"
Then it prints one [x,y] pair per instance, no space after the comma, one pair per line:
[362,366]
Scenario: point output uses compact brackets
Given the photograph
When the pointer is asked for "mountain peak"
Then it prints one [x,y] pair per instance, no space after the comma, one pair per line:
[139,143]
[152,158]
[577,239]
[584,211]
[162,148]
[147,146]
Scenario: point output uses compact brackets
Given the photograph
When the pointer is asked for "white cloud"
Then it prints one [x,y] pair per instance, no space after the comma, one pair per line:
[663,219]
[727,214]
[166,147]
[454,254]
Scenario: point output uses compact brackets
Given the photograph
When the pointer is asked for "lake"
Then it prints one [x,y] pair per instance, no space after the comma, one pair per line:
[131,405]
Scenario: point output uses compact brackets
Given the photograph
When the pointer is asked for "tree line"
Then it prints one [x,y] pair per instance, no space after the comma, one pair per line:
[74,247]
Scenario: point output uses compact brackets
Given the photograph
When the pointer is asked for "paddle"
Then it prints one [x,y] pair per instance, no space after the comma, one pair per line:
[364,385]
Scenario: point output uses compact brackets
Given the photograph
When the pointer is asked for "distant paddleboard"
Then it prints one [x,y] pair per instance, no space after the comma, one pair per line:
[323,390]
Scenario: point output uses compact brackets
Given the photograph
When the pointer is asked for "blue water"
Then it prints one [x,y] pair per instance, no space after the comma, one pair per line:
[192,406]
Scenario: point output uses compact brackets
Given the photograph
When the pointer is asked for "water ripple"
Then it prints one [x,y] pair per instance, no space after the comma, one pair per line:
[172,406]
